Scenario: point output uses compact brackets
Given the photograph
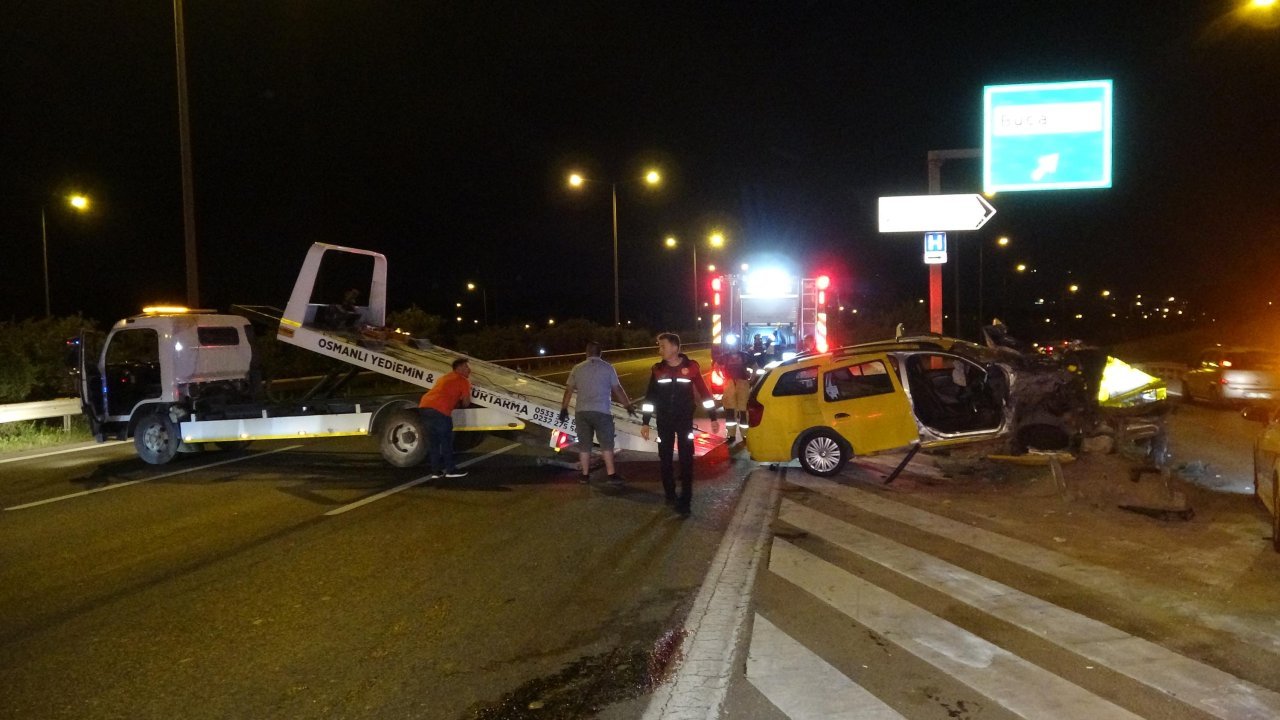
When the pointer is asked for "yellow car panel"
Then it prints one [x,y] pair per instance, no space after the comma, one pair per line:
[864,402]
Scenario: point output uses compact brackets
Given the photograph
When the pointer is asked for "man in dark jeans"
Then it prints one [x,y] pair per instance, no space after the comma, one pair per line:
[436,406]
[672,382]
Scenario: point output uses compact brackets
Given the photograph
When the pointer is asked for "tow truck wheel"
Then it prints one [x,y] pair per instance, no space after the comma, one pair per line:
[464,441]
[823,454]
[156,439]
[404,439]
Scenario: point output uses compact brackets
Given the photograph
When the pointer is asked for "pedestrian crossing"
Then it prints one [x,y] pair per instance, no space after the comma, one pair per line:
[859,616]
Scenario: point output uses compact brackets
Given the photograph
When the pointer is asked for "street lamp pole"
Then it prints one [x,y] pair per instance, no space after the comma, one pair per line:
[44,247]
[184,141]
[696,325]
[484,299]
[617,318]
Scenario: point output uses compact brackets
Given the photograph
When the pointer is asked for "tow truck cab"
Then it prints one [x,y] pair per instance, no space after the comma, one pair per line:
[166,361]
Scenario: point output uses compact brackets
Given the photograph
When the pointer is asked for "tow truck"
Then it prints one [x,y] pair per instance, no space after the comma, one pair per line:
[176,380]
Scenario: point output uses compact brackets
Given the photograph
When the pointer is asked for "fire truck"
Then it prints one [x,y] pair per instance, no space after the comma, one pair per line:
[176,380]
[788,313]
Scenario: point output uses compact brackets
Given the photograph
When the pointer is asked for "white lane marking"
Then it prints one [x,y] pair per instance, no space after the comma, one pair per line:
[717,621]
[51,453]
[417,481]
[127,483]
[1215,692]
[1016,684]
[803,685]
[1095,577]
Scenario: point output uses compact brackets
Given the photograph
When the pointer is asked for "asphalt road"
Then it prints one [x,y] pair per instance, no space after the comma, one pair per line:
[311,580]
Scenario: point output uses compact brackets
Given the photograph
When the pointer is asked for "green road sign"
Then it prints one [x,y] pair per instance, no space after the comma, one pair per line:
[1047,136]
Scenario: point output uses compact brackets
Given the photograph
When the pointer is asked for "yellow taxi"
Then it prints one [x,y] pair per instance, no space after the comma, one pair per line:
[876,397]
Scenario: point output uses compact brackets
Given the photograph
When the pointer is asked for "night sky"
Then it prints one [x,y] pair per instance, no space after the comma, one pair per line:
[441,134]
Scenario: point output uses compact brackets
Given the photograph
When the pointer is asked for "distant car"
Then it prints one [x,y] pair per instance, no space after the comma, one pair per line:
[1233,375]
[866,399]
[1266,463]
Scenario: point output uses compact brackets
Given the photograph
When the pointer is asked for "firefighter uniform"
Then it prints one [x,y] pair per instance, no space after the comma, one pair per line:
[670,397]
[737,368]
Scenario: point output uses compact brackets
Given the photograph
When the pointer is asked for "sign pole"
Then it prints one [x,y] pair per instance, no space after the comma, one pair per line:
[936,158]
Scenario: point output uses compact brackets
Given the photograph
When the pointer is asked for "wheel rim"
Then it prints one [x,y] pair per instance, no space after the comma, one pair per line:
[822,454]
[404,438]
[156,438]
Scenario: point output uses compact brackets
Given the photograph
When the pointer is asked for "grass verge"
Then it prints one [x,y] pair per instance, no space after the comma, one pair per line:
[32,434]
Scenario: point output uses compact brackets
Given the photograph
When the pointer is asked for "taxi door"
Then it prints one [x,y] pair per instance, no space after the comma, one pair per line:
[864,402]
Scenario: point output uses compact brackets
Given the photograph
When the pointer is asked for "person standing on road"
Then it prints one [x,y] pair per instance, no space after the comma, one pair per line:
[736,364]
[436,408]
[673,381]
[596,382]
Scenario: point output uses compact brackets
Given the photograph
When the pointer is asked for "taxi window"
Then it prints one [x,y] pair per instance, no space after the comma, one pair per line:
[797,382]
[857,381]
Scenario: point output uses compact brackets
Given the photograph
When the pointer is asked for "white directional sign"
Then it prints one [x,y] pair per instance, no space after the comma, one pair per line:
[922,213]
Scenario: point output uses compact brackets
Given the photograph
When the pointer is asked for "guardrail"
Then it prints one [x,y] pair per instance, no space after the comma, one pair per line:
[41,409]
[1162,370]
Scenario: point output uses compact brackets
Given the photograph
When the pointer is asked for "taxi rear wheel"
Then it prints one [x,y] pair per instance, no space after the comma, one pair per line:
[822,453]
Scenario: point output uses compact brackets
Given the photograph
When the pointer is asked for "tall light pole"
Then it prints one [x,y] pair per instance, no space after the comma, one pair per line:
[715,240]
[184,141]
[81,204]
[484,299]
[576,181]
[1002,242]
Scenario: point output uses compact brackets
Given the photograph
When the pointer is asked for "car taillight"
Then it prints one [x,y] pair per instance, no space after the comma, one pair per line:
[755,412]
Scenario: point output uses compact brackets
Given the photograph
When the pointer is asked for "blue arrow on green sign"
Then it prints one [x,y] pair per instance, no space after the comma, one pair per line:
[1047,136]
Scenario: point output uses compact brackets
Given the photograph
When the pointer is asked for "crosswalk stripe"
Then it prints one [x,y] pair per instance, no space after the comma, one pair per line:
[1018,685]
[1056,564]
[803,685]
[1212,691]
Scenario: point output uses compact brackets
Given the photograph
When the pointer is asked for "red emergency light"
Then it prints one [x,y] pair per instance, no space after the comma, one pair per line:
[715,284]
[823,282]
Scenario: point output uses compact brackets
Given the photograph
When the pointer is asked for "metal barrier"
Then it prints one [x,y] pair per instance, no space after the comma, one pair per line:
[543,361]
[1162,370]
[41,409]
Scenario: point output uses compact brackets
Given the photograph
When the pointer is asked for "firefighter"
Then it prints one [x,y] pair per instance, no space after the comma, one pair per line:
[737,366]
[673,381]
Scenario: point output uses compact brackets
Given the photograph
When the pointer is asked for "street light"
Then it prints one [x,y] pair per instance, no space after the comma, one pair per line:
[577,181]
[484,299]
[184,145]
[79,203]
[1001,242]
[715,240]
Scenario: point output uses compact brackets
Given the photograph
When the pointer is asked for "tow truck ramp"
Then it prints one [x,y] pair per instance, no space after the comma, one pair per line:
[508,398]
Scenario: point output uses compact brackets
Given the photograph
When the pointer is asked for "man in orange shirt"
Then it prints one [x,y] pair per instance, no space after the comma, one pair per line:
[436,407]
